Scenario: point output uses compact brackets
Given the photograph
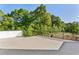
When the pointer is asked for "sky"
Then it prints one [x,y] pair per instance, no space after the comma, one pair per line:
[67,12]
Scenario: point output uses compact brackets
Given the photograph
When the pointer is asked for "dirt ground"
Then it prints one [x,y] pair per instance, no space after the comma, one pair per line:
[67,36]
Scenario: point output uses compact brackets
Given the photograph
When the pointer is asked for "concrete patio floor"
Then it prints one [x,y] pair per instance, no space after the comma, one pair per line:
[30,43]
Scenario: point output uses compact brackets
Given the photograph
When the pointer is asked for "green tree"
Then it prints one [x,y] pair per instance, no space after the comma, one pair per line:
[19,16]
[74,28]
[42,20]
[1,18]
[7,23]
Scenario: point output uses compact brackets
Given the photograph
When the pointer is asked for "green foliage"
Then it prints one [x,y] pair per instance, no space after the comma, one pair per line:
[72,28]
[37,22]
[55,29]
[75,28]
[56,21]
[41,20]
[7,23]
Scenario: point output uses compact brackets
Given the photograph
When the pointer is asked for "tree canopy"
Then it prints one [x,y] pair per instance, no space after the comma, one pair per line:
[36,22]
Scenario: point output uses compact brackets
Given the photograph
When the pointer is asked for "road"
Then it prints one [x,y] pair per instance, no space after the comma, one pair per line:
[68,48]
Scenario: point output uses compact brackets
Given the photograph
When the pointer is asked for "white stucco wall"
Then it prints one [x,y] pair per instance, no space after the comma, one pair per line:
[9,34]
